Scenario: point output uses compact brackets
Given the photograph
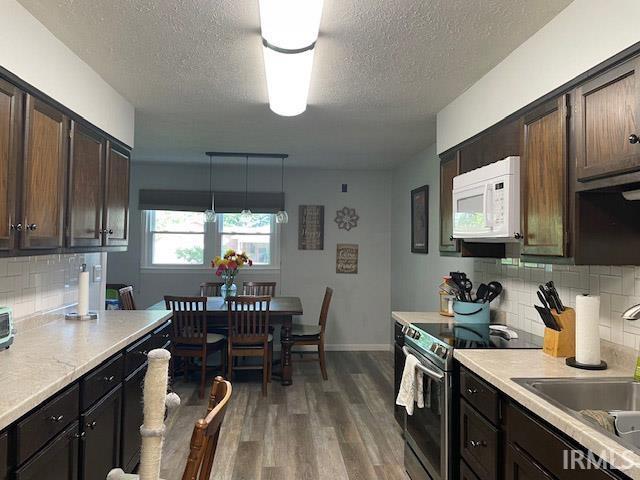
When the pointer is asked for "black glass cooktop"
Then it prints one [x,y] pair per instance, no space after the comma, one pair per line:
[474,335]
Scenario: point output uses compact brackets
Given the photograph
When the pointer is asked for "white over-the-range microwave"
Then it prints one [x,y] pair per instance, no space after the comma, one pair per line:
[486,203]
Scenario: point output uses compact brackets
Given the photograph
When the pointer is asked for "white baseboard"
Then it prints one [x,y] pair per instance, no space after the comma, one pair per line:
[346,347]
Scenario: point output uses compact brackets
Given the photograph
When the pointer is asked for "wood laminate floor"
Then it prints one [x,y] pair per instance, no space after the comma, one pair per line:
[342,428]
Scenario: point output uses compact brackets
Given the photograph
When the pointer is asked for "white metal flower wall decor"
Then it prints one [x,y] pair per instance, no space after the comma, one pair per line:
[347,218]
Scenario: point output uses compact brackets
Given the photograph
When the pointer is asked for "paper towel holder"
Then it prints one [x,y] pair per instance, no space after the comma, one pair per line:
[76,315]
[571,362]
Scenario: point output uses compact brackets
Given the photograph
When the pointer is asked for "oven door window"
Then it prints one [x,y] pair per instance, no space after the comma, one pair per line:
[425,426]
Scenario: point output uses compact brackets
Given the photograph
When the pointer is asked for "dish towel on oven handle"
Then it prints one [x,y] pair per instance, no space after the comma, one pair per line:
[411,385]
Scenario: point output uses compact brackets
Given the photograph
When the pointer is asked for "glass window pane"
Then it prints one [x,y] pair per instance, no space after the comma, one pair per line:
[167,221]
[178,249]
[258,223]
[256,246]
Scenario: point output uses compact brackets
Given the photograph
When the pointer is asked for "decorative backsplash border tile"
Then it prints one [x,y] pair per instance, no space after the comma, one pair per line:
[618,287]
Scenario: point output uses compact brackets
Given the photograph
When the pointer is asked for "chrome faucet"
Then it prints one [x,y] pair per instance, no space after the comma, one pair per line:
[632,313]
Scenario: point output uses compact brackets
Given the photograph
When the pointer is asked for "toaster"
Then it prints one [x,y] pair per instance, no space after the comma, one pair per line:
[7,331]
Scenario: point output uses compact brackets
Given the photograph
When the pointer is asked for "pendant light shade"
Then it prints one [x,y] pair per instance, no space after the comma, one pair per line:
[282,216]
[210,214]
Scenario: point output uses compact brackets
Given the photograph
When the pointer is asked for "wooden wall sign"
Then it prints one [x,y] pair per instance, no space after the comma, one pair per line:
[347,258]
[311,227]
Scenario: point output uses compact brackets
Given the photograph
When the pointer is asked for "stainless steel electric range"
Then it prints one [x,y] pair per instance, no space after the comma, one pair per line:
[431,432]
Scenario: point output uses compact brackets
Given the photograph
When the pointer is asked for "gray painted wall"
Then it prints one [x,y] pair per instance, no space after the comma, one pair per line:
[359,317]
[414,276]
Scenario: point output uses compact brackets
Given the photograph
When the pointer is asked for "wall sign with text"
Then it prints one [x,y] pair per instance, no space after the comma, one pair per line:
[311,227]
[347,258]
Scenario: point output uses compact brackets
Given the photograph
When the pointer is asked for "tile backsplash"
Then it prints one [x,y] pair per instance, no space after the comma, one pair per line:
[618,287]
[39,284]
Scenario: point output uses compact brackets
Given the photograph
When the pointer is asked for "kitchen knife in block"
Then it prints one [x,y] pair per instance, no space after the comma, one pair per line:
[562,343]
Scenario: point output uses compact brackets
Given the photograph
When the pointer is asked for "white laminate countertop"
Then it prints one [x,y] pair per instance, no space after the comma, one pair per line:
[406,318]
[499,367]
[47,358]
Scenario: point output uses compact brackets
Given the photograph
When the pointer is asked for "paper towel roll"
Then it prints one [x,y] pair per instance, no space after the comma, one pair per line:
[83,292]
[587,329]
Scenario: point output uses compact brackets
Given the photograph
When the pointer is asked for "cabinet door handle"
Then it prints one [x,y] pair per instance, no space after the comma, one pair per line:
[517,235]
[16,227]
[451,238]
[32,226]
[109,379]
[80,435]
[472,391]
[56,419]
[92,425]
[477,443]
[633,138]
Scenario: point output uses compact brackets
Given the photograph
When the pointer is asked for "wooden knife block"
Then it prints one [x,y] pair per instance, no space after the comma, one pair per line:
[563,343]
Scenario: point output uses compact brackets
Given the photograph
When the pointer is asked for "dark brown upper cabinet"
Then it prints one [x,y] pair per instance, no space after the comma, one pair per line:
[11,102]
[44,175]
[543,179]
[116,218]
[499,142]
[449,168]
[86,187]
[607,123]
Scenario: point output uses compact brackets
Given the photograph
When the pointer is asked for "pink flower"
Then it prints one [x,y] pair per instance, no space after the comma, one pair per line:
[233,266]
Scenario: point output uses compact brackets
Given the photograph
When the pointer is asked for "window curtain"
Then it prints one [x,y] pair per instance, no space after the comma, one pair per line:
[199,201]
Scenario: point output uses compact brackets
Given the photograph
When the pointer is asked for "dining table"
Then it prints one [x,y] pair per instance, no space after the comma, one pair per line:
[281,311]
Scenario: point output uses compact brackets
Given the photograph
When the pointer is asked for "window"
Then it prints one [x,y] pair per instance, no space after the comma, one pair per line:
[183,240]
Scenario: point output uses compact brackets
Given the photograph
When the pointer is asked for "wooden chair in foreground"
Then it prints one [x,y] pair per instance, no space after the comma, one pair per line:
[259,288]
[248,323]
[189,338]
[206,432]
[314,334]
[126,298]
[210,289]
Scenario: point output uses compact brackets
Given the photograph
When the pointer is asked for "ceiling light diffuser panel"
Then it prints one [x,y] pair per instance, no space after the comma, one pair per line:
[289,32]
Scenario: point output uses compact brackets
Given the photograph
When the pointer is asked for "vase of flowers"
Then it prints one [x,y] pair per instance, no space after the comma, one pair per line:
[227,268]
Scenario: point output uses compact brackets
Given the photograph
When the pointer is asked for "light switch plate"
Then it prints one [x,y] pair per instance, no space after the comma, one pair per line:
[97,273]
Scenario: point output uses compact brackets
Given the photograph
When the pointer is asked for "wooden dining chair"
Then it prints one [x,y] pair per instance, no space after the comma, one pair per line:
[210,289]
[126,298]
[189,338]
[259,288]
[206,432]
[248,323]
[314,334]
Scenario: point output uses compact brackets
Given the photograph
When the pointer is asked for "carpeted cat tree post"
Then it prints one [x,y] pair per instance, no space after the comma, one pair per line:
[156,401]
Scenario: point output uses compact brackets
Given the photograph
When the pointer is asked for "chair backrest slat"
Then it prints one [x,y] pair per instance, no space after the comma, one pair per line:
[324,311]
[210,289]
[259,288]
[206,432]
[126,298]
[189,319]
[248,319]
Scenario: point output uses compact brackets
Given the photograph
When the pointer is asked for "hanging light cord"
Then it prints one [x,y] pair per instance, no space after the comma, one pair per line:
[246,182]
[210,172]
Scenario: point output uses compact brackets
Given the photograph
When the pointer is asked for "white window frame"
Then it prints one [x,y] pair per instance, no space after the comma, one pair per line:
[212,243]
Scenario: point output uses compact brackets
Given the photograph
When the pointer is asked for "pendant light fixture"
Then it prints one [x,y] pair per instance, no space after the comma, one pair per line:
[282,216]
[210,213]
[246,212]
[289,33]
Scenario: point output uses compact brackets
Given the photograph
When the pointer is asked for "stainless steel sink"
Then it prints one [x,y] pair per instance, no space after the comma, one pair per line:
[575,394]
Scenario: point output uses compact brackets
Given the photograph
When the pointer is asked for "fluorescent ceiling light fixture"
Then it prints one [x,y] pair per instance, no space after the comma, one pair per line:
[290,24]
[289,34]
[288,77]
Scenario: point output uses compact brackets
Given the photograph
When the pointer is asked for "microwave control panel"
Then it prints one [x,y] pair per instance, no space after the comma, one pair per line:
[498,204]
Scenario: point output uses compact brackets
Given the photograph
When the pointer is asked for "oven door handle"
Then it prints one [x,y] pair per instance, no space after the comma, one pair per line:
[427,371]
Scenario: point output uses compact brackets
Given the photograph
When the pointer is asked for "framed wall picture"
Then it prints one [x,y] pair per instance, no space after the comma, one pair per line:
[420,220]
[347,258]
[311,227]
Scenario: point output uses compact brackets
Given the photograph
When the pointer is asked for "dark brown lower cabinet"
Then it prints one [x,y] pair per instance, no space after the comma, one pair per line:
[100,444]
[132,417]
[479,442]
[466,473]
[57,461]
[4,455]
[519,467]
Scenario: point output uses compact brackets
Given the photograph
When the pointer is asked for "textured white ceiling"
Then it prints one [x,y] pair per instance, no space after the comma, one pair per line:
[193,70]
